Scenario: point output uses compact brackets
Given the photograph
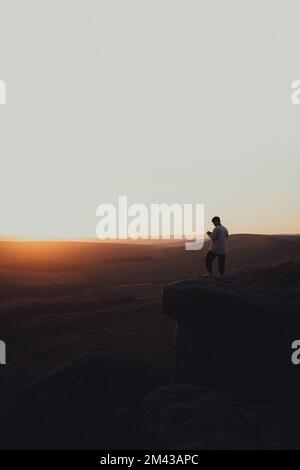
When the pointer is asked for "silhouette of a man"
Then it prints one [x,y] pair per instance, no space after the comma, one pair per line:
[219,237]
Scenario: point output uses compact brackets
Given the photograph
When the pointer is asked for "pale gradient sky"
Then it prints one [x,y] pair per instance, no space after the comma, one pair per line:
[161,100]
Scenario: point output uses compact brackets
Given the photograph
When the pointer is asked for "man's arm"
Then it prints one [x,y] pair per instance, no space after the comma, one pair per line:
[215,234]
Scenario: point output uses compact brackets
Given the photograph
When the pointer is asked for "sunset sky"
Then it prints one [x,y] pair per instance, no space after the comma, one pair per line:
[162,101]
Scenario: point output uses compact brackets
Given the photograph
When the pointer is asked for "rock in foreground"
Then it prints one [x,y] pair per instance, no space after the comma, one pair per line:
[188,417]
[89,403]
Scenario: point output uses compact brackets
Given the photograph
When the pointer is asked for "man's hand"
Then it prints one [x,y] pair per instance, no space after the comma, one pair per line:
[208,233]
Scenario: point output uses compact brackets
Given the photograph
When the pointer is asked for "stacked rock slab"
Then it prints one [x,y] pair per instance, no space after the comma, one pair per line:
[237,387]
[235,337]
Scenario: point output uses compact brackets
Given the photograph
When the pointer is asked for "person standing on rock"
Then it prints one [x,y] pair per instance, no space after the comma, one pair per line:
[219,237]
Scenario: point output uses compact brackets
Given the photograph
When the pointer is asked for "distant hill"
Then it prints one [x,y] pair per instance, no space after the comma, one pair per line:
[286,273]
[248,251]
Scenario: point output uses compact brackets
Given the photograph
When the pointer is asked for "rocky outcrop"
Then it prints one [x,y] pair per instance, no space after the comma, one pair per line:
[234,341]
[235,337]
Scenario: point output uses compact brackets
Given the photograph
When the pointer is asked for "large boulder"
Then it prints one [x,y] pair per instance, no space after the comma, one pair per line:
[234,336]
[189,417]
[91,402]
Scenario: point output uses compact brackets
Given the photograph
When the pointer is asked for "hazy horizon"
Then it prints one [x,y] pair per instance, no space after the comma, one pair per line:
[148,241]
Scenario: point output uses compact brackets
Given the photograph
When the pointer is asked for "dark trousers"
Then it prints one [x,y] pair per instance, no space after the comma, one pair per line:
[209,262]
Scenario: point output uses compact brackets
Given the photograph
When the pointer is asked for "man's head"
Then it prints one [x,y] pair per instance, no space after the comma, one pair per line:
[216,220]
